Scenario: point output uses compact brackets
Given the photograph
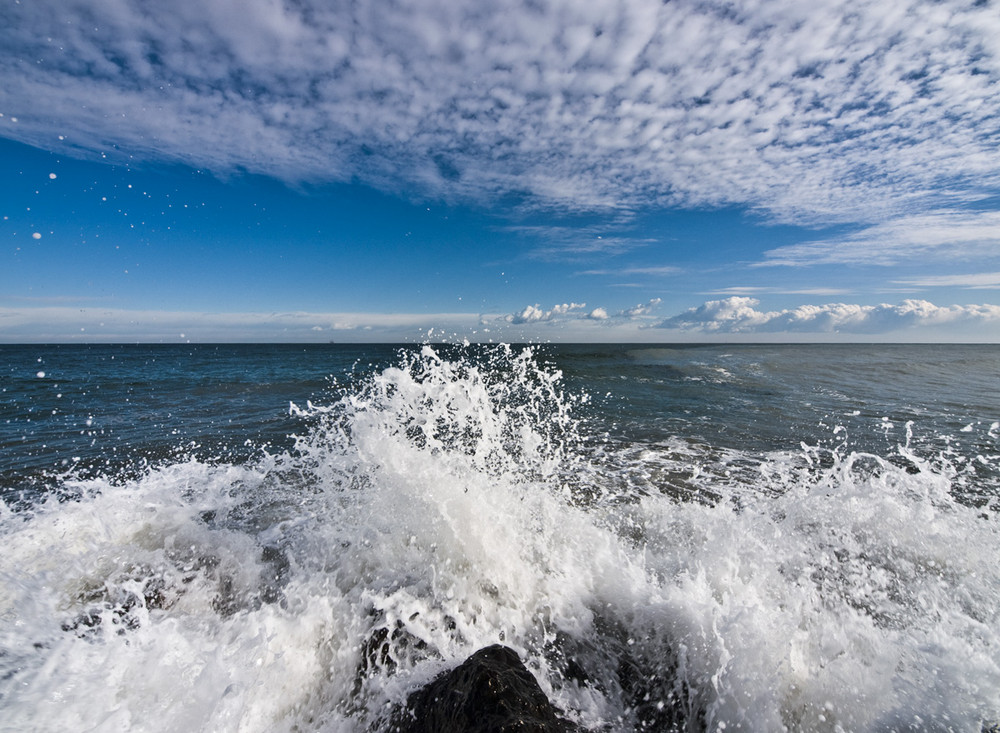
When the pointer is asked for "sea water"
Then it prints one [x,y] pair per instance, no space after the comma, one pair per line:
[294,538]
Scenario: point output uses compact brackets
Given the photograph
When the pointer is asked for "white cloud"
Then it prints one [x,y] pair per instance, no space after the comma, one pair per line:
[566,308]
[642,309]
[730,314]
[654,271]
[749,290]
[975,281]
[715,320]
[533,313]
[738,315]
[58,323]
[573,311]
[942,235]
[843,110]
[529,314]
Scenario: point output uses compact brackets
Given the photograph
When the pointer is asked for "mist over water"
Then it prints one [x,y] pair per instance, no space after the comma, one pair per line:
[766,538]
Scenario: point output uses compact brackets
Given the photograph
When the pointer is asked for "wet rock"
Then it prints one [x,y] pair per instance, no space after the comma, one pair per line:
[652,695]
[275,575]
[654,699]
[121,601]
[381,649]
[491,692]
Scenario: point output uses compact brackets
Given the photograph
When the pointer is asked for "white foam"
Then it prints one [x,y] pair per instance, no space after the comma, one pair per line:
[456,504]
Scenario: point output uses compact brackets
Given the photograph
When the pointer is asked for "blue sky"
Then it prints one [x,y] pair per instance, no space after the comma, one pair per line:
[499,170]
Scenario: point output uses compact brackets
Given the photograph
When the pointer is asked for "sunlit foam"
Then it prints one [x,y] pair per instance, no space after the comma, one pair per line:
[458,500]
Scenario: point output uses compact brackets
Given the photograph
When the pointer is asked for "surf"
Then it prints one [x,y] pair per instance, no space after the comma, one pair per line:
[465,497]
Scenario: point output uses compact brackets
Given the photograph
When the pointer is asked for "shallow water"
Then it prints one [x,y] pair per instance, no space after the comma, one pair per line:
[767,538]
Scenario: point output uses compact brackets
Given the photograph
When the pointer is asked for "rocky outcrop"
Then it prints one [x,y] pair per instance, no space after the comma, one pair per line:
[491,692]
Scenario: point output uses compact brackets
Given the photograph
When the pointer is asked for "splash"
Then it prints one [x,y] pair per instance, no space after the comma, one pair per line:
[462,498]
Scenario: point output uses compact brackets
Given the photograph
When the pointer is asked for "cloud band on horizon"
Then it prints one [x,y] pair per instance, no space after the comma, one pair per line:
[740,315]
[734,316]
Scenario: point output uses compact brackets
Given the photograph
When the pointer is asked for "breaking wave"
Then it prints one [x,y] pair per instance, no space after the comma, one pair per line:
[462,498]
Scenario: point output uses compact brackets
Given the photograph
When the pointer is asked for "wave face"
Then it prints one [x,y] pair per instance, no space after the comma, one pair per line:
[454,498]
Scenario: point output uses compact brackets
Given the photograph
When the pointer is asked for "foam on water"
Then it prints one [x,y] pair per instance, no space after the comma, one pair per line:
[451,503]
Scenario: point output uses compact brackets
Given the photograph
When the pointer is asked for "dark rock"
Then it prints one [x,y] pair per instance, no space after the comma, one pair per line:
[491,692]
[275,576]
[652,695]
[655,700]
[380,650]
[123,600]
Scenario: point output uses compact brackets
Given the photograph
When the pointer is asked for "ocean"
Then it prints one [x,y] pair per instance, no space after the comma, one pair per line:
[297,537]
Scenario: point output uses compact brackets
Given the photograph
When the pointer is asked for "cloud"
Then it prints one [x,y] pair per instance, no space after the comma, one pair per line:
[533,313]
[715,320]
[843,111]
[571,242]
[738,315]
[730,314]
[654,271]
[58,324]
[782,291]
[573,311]
[975,281]
[643,309]
[942,235]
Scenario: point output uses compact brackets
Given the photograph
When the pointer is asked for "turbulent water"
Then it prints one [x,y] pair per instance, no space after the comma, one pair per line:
[278,538]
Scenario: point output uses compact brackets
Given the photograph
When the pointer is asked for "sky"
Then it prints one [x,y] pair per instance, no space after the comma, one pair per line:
[499,170]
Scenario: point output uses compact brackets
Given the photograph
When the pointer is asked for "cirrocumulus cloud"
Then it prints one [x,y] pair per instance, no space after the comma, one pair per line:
[871,109]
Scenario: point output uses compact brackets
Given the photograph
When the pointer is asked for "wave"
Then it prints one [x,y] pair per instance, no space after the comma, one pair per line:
[464,498]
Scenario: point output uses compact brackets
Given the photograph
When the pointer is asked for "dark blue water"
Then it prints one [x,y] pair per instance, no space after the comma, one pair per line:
[764,397]
[107,408]
[153,400]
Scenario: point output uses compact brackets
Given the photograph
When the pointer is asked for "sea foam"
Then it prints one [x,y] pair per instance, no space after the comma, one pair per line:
[457,500]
